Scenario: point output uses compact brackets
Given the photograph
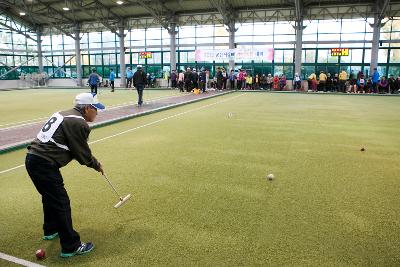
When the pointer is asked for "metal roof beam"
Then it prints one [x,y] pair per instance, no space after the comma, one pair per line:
[17,30]
[157,13]
[99,10]
[229,14]
[382,7]
[299,9]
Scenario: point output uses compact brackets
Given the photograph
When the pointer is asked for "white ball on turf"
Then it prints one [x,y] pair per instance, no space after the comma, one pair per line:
[270,176]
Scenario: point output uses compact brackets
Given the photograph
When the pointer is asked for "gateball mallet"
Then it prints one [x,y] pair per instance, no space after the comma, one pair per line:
[122,200]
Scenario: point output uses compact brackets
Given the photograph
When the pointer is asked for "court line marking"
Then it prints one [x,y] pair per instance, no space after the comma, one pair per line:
[142,126]
[19,261]
[33,121]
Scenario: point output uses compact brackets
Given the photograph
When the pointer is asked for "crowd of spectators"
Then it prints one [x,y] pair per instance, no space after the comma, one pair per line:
[353,83]
[245,80]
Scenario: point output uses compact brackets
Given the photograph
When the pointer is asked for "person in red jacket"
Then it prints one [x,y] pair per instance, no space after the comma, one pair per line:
[276,82]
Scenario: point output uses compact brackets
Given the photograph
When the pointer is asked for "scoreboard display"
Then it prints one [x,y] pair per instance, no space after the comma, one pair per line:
[145,55]
[339,52]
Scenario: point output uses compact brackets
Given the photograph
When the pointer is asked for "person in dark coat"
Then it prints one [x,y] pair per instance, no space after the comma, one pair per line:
[195,79]
[219,78]
[139,81]
[203,80]
[188,80]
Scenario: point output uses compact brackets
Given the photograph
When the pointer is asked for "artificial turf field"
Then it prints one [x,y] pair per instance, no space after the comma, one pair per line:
[200,193]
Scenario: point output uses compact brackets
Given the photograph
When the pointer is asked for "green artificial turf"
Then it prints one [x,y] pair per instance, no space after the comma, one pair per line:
[24,105]
[200,193]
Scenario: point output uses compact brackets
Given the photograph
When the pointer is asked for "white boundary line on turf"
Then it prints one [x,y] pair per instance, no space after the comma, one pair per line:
[142,126]
[33,121]
[19,261]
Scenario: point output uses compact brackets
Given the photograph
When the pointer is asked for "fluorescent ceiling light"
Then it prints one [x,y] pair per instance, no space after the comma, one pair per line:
[120,2]
[65,8]
[22,13]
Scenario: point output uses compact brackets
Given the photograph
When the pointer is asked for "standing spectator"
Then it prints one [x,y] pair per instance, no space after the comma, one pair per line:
[167,77]
[195,79]
[282,82]
[188,80]
[139,81]
[203,80]
[224,78]
[257,82]
[335,82]
[392,84]
[181,79]
[383,85]
[93,81]
[310,78]
[129,76]
[297,82]
[112,79]
[207,78]
[397,85]
[328,82]
[322,81]
[232,78]
[174,78]
[240,79]
[263,82]
[219,78]
[270,81]
[342,81]
[375,81]
[249,81]
[62,139]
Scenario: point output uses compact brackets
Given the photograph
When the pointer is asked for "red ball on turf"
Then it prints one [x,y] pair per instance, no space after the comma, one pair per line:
[40,254]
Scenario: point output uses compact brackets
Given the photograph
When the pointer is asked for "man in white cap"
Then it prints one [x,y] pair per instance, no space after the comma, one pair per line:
[63,138]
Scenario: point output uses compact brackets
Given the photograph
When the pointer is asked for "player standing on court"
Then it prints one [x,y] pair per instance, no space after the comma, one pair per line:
[93,81]
[139,81]
[112,79]
[63,138]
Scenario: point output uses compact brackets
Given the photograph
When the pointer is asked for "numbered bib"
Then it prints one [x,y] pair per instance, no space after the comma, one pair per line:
[45,135]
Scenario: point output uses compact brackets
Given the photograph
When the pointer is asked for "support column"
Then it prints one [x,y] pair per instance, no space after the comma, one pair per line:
[375,42]
[231,32]
[172,36]
[299,45]
[78,55]
[39,50]
[122,55]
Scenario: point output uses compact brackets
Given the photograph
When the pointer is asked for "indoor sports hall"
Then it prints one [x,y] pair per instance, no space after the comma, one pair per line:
[199,133]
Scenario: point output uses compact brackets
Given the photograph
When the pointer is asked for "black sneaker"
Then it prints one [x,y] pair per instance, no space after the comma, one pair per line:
[82,249]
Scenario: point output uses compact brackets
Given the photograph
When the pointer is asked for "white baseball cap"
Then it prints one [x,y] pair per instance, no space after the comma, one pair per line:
[88,99]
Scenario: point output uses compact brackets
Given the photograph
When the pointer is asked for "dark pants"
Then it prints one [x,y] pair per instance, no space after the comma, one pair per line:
[180,84]
[93,88]
[232,84]
[139,88]
[173,84]
[112,86]
[49,183]
[128,82]
[203,86]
